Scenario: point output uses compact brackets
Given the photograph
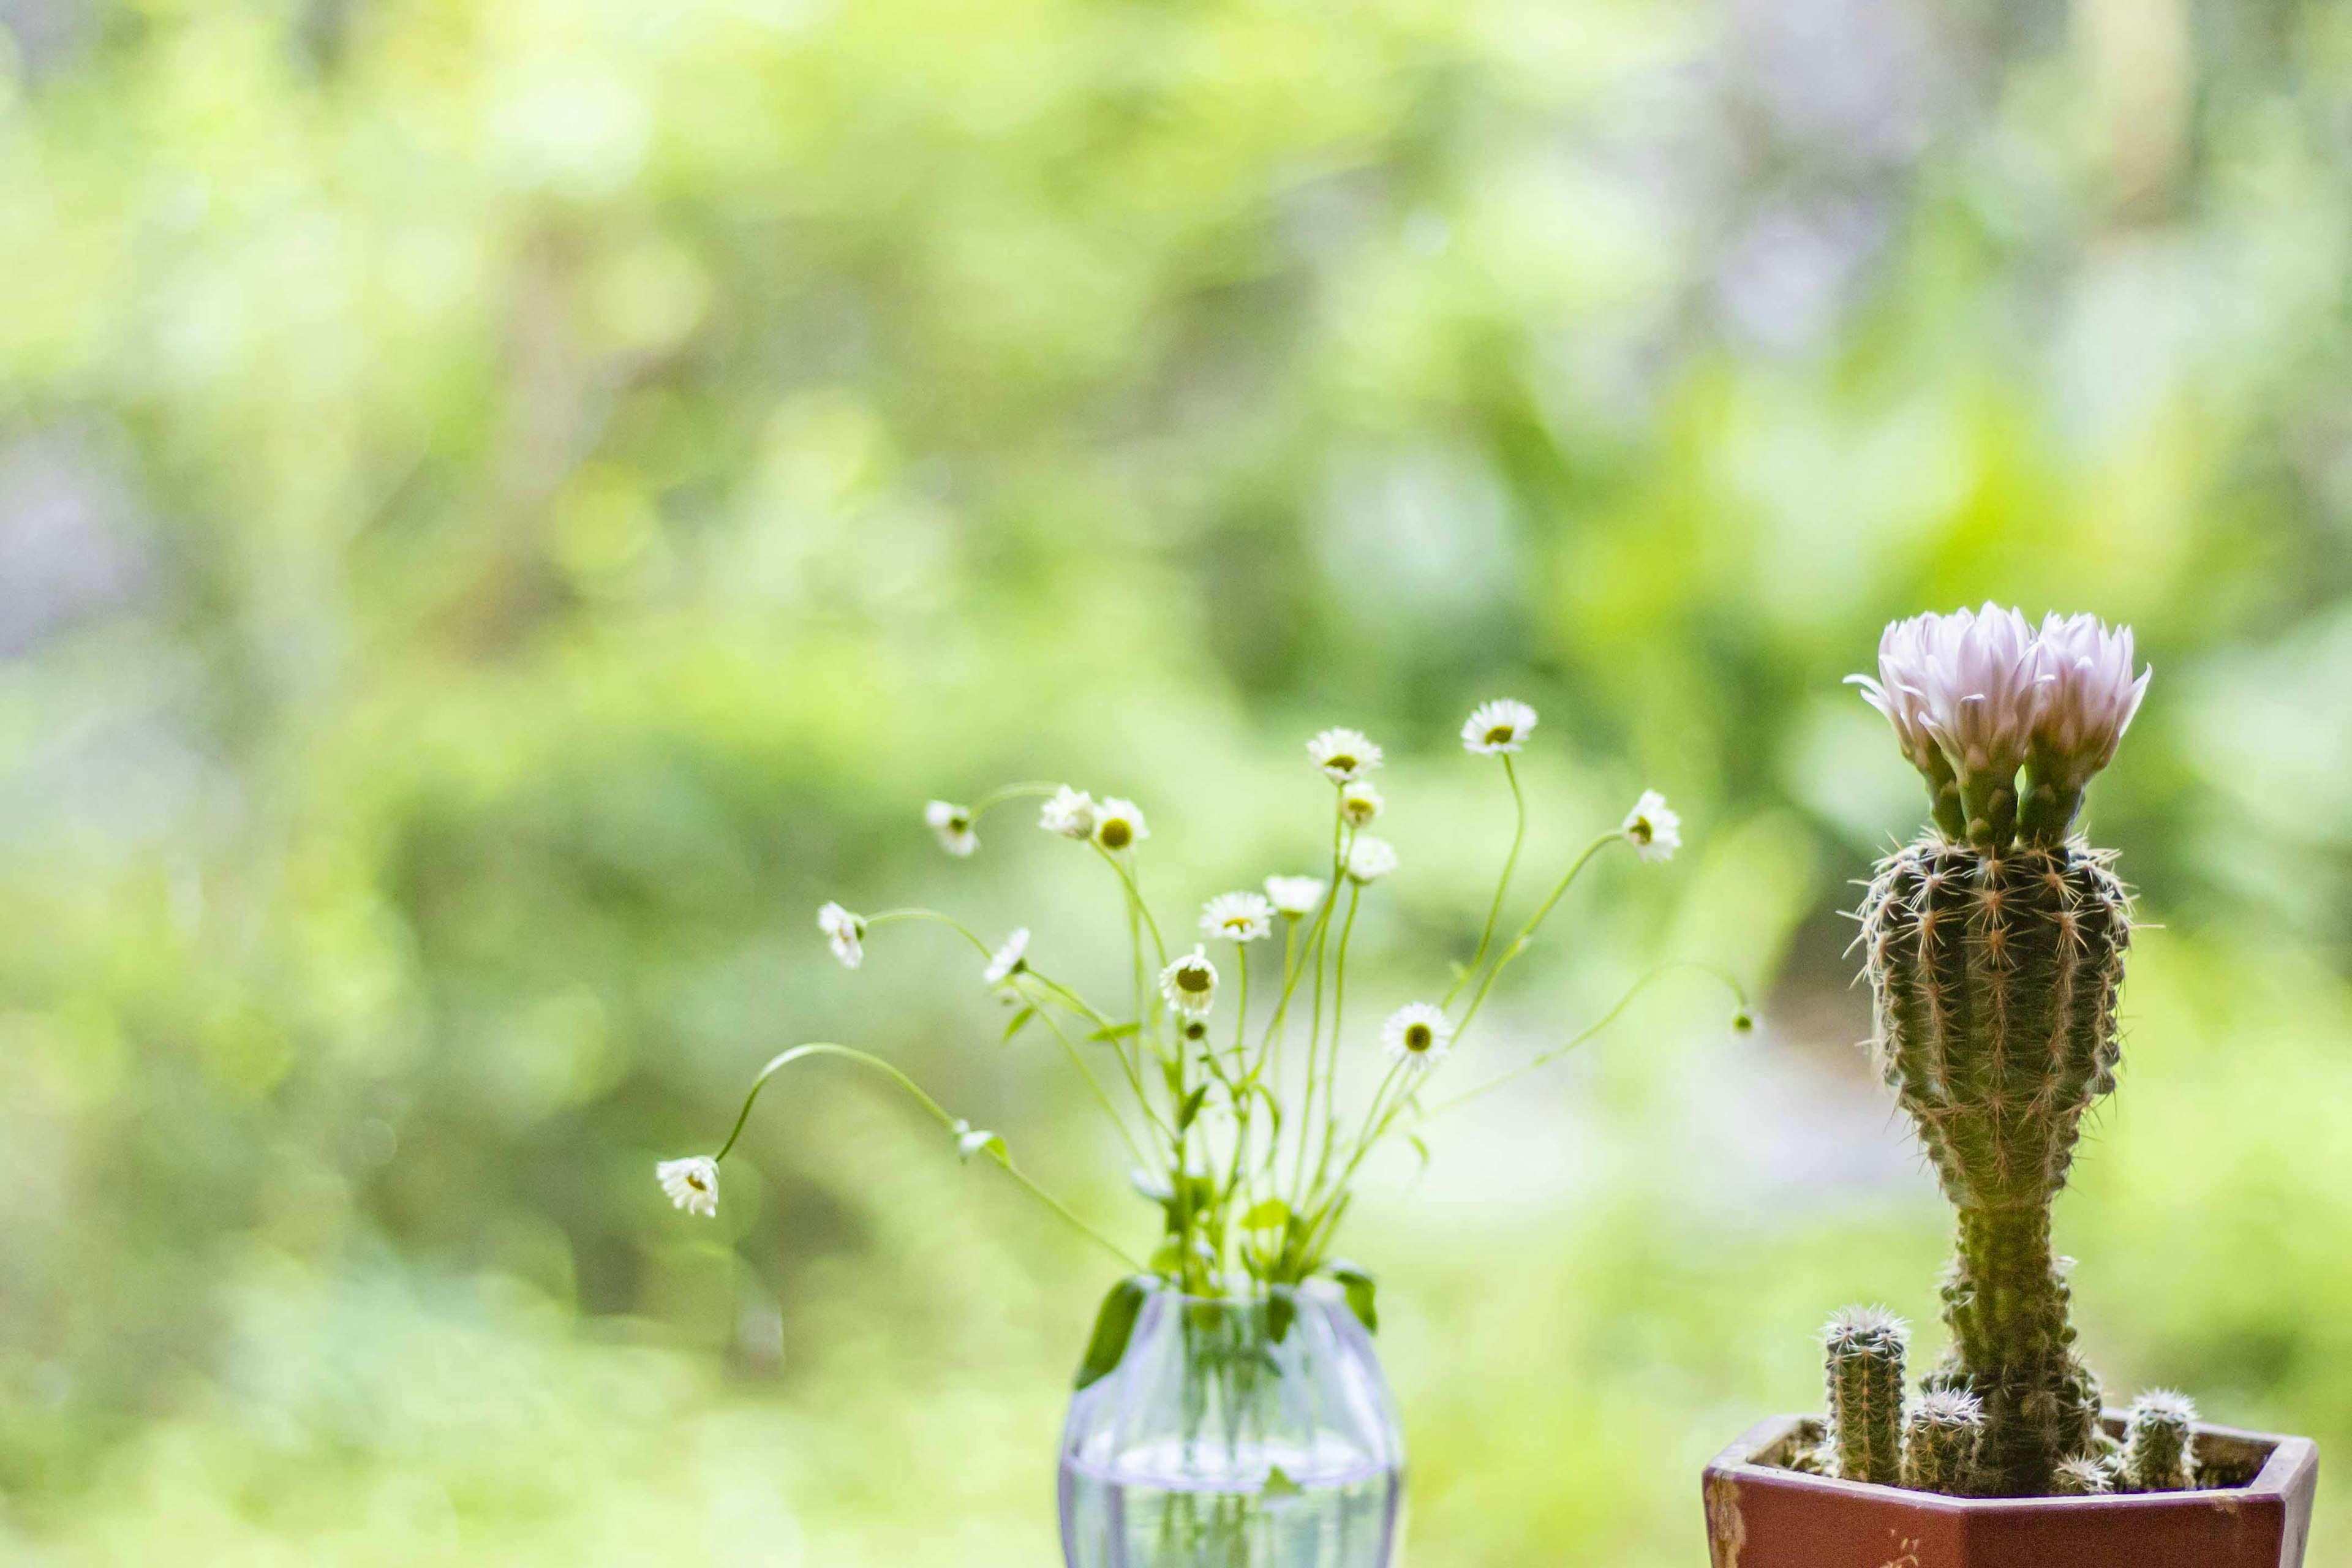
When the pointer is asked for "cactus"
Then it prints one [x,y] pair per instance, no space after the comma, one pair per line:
[1994,946]
[1940,1442]
[1865,1349]
[2158,1443]
[2082,1476]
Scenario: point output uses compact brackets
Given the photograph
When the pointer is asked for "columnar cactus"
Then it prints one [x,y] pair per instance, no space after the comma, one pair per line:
[1865,1349]
[1995,947]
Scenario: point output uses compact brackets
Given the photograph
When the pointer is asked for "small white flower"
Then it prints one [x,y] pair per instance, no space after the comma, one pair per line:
[1344,755]
[1369,860]
[1237,917]
[1497,727]
[846,932]
[1652,827]
[1295,896]
[692,1183]
[1190,984]
[1010,959]
[953,823]
[1417,1035]
[1359,802]
[1071,814]
[1118,824]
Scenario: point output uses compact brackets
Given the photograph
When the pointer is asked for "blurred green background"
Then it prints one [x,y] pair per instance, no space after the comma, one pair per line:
[507,504]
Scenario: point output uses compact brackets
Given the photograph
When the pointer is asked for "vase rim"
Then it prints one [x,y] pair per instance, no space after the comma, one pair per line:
[1316,1290]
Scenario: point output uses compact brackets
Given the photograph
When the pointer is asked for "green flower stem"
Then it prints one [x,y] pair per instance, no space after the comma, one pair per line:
[1543,1058]
[1332,1071]
[1510,863]
[999,795]
[1131,1069]
[1136,905]
[995,1151]
[888,917]
[1095,1084]
[1527,932]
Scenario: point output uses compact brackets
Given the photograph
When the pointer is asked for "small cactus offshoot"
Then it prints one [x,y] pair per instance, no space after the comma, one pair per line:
[1866,1346]
[1995,947]
[2082,1476]
[2158,1443]
[1940,1442]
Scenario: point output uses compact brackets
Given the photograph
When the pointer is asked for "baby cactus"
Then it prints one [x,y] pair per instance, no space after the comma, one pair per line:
[2158,1443]
[1865,1347]
[1995,947]
[1940,1442]
[2082,1476]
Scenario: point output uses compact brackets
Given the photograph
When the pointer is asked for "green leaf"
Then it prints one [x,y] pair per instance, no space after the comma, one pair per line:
[1168,1260]
[1419,1148]
[1358,1286]
[1280,1488]
[1116,1032]
[1267,1214]
[1281,1308]
[1189,1110]
[1113,1326]
[1020,1022]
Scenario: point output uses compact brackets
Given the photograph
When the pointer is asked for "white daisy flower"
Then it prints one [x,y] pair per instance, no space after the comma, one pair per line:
[1344,755]
[1294,897]
[1654,828]
[1237,917]
[1190,984]
[1070,813]
[1359,802]
[1369,860]
[1010,959]
[1118,824]
[1497,727]
[1417,1035]
[953,823]
[846,932]
[692,1183]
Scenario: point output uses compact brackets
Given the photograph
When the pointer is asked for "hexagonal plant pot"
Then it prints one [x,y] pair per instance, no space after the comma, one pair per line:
[1762,1515]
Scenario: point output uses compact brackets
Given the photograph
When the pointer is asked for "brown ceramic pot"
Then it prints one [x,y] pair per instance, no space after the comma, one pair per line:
[1759,1515]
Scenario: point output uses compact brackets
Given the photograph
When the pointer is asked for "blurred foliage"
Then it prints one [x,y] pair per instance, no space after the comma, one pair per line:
[504,507]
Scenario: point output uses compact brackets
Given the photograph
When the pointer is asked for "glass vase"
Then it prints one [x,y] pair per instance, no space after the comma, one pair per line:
[1236,1434]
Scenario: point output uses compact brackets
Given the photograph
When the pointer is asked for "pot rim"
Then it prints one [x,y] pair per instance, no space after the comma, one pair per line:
[2282,1469]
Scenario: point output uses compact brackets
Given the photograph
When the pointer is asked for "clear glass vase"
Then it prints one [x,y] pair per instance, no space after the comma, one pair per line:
[1217,1443]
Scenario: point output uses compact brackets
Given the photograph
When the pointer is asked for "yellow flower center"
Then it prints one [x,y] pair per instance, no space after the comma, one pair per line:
[1342,762]
[1417,1037]
[1196,980]
[1498,734]
[1117,833]
[1640,830]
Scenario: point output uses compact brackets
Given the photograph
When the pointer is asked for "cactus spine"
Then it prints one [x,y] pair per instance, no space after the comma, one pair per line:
[1865,1349]
[2158,1443]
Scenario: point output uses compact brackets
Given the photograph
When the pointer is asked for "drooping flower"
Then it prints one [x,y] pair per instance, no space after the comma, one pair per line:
[1418,1035]
[692,1183]
[1359,802]
[1369,860]
[846,932]
[1190,984]
[953,823]
[1295,896]
[1070,813]
[1652,827]
[1009,960]
[1118,824]
[1497,727]
[1343,754]
[2089,697]
[1237,917]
